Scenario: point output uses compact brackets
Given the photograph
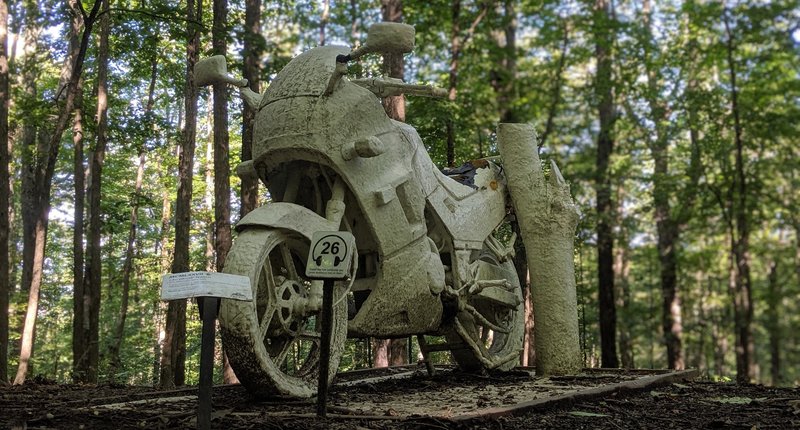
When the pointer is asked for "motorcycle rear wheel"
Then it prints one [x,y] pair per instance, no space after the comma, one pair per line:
[273,344]
[485,348]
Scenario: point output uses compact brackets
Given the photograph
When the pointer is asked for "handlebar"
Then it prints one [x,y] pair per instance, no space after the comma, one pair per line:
[386,87]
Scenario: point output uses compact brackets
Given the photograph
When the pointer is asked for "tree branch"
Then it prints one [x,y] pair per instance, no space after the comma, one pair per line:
[471,30]
[556,91]
[173,18]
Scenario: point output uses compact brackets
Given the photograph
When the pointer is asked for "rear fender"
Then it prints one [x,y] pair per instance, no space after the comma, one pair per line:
[288,216]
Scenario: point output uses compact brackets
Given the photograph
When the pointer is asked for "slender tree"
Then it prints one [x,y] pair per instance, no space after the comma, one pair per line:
[324,18]
[392,351]
[670,219]
[5,286]
[253,46]
[556,88]
[173,354]
[115,361]
[505,73]
[79,168]
[458,41]
[603,86]
[222,187]
[740,239]
[42,174]
[92,279]
[773,325]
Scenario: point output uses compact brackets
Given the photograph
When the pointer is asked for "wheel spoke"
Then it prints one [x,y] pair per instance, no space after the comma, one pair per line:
[279,359]
[266,319]
[313,336]
[270,286]
[288,262]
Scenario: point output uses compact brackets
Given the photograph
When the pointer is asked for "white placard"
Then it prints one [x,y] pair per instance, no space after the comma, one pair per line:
[205,284]
[330,255]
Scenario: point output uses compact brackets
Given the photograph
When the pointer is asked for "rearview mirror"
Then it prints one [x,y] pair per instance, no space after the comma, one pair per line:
[214,70]
[387,38]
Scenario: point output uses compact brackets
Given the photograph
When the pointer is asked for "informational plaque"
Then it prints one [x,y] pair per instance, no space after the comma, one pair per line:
[185,285]
[331,255]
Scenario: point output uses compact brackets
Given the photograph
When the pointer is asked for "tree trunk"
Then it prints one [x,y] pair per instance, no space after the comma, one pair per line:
[222,186]
[455,53]
[504,76]
[159,311]
[797,251]
[39,195]
[395,106]
[93,274]
[528,353]
[26,348]
[30,156]
[78,347]
[208,196]
[622,266]
[773,325]
[323,20]
[503,86]
[5,286]
[127,267]
[115,362]
[547,219]
[354,16]
[743,293]
[668,226]
[671,320]
[603,86]
[380,353]
[555,99]
[394,350]
[253,47]
[457,43]
[174,351]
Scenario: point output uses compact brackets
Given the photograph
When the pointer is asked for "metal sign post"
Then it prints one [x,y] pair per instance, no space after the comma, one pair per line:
[330,259]
[325,351]
[208,287]
[209,307]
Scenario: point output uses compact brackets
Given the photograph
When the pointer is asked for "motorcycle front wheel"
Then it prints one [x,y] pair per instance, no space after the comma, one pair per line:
[273,342]
[491,332]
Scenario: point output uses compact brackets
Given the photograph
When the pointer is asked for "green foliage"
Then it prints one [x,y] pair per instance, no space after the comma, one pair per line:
[686,52]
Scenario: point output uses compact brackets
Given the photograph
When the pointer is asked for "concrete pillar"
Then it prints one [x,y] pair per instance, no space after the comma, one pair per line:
[547,219]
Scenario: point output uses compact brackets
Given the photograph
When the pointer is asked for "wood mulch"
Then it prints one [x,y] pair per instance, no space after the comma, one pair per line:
[409,399]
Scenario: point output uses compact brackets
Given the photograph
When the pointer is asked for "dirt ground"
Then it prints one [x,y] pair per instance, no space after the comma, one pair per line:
[404,399]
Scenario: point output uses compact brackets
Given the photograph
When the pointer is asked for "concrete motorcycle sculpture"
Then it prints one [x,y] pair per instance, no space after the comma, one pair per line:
[427,258]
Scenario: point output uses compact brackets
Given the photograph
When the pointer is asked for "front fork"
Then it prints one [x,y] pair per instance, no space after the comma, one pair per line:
[334,212]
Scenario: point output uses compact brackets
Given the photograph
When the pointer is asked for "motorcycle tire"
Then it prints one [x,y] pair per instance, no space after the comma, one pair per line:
[271,348]
[491,350]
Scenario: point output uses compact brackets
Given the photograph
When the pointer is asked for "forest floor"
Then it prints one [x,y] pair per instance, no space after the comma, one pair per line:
[407,398]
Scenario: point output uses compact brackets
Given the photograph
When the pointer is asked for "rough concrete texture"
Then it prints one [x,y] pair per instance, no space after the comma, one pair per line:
[547,218]
[243,326]
[388,37]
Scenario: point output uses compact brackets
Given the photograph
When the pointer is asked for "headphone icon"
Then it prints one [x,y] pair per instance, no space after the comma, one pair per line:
[328,247]
[336,260]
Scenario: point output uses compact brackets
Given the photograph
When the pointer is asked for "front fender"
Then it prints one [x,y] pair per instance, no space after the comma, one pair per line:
[287,216]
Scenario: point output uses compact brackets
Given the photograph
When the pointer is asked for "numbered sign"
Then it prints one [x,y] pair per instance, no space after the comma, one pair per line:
[330,255]
[205,284]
